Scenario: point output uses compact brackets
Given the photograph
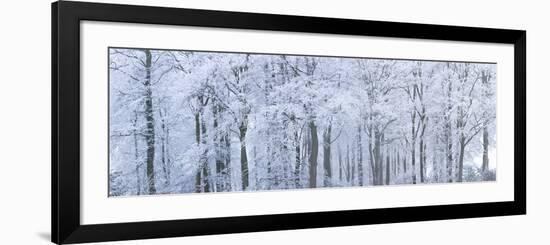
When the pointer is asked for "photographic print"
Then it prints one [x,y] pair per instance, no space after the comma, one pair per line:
[289,122]
[183,121]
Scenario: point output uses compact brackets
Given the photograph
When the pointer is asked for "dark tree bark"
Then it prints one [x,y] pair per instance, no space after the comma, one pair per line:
[202,181]
[244,159]
[326,156]
[378,158]
[198,176]
[388,169]
[313,155]
[462,144]
[405,164]
[421,158]
[150,124]
[413,147]
[485,164]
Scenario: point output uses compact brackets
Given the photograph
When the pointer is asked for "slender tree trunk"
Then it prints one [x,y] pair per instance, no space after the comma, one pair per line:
[377,157]
[449,136]
[421,158]
[359,157]
[485,77]
[134,132]
[413,147]
[198,176]
[398,163]
[348,165]
[197,128]
[405,164]
[297,165]
[372,155]
[244,159]
[388,168]
[150,124]
[164,148]
[449,153]
[340,164]
[485,164]
[381,161]
[435,167]
[393,163]
[313,155]
[204,160]
[461,158]
[326,156]
[168,156]
[353,161]
[227,159]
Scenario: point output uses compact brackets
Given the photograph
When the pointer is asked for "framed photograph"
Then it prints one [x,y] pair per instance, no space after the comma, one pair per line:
[177,122]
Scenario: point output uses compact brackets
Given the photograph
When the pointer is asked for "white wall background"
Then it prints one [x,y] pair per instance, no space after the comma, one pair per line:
[25,121]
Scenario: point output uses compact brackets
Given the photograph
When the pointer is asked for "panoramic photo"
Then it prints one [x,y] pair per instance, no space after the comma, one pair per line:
[185,121]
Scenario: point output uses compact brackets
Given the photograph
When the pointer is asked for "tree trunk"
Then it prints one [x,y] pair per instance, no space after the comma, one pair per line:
[244,159]
[164,148]
[449,136]
[485,77]
[485,164]
[413,147]
[359,157]
[380,167]
[150,124]
[421,158]
[348,165]
[388,168]
[398,162]
[313,155]
[204,160]
[376,159]
[198,176]
[326,157]
[218,143]
[134,132]
[353,155]
[340,164]
[435,155]
[405,164]
[461,158]
[372,155]
[227,159]
[297,165]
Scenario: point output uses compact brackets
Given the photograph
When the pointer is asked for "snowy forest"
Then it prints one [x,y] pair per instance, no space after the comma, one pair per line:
[196,122]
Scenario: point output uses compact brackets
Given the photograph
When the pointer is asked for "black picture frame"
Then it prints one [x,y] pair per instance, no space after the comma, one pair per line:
[65,168]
